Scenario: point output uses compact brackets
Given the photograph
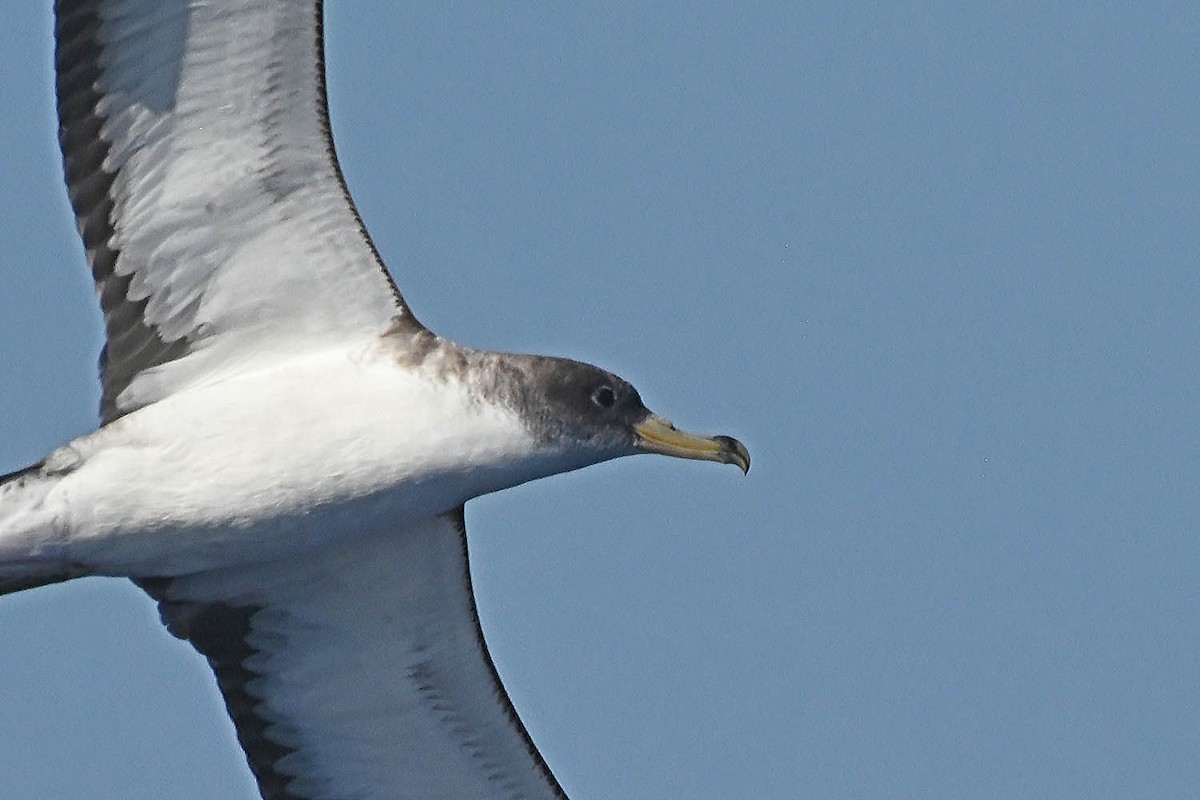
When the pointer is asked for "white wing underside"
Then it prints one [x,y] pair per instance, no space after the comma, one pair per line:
[360,672]
[200,166]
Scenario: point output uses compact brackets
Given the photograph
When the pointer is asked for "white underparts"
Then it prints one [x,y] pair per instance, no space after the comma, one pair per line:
[257,465]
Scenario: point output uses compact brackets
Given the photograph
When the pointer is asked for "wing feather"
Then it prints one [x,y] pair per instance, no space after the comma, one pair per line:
[200,165]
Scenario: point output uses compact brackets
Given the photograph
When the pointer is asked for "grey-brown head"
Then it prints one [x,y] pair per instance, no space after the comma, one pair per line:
[574,404]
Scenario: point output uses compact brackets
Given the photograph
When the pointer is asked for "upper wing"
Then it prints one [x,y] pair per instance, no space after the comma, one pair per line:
[199,163]
[361,672]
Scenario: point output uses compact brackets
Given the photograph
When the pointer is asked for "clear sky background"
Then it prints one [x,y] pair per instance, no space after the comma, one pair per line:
[935,263]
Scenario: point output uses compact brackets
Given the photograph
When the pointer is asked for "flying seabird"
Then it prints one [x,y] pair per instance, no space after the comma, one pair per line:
[284,450]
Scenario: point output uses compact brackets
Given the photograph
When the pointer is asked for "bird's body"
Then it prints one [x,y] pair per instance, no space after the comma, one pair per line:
[285,450]
[254,465]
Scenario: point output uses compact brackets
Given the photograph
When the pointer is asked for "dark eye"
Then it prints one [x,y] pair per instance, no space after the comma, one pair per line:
[604,397]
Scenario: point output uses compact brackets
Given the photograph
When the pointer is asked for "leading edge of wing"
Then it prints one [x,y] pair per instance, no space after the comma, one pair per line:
[361,671]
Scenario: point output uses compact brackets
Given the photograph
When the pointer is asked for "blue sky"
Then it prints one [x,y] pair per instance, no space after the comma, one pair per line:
[935,263]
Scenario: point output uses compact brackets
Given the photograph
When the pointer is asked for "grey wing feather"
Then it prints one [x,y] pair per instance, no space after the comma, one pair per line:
[200,166]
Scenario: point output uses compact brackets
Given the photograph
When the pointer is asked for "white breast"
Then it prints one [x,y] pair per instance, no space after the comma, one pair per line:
[295,454]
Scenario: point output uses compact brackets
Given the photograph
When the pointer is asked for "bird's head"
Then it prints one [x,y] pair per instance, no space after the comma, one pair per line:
[579,406]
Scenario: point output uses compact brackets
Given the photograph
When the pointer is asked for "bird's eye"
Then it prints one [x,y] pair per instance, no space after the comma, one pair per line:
[604,397]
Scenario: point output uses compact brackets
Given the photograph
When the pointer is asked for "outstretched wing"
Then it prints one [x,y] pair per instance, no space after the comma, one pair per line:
[198,158]
[361,672]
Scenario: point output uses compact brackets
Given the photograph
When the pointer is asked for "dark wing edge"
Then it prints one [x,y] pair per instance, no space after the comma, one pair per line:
[220,633]
[408,319]
[130,345]
[458,518]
